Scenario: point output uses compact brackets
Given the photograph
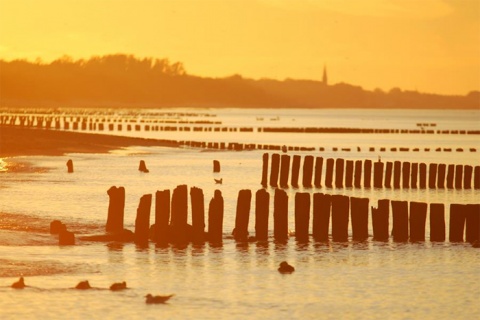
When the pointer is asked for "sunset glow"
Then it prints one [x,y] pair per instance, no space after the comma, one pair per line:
[429,45]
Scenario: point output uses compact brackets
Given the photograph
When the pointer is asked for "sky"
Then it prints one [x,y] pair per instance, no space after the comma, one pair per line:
[430,46]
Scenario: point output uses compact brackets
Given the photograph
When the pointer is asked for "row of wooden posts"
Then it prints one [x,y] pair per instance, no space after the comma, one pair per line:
[329,212]
[349,173]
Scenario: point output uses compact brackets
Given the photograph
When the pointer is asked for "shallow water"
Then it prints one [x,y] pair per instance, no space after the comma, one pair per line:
[332,280]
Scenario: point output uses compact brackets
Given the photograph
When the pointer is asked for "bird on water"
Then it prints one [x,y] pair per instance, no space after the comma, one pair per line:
[83,285]
[156,299]
[118,286]
[20,284]
[285,267]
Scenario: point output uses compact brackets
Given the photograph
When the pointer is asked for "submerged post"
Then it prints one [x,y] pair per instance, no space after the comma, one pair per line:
[178,223]
[116,207]
[472,232]
[198,215]
[358,174]
[450,176]
[215,218]
[284,170]
[162,216]
[295,170]
[367,176]
[397,168]
[442,169]
[274,170]
[458,216]
[406,175]
[142,221]
[318,172]
[437,222]
[216,166]
[265,170]
[262,200]
[414,176]
[307,171]
[432,176]
[340,212]
[321,216]
[400,220]
[380,217]
[378,174]
[280,215]
[302,216]
[418,217]
[329,173]
[339,172]
[243,215]
[359,213]
[349,174]
[70,166]
[388,174]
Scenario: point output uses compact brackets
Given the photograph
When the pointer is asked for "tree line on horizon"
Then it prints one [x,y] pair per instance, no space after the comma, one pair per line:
[121,80]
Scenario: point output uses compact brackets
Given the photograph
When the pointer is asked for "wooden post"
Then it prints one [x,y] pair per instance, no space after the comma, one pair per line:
[340,212]
[472,232]
[302,216]
[321,216]
[216,166]
[178,223]
[406,175]
[476,179]
[215,218]
[265,170]
[400,220]
[70,166]
[441,170]
[198,215]
[280,215]
[378,174]
[262,200]
[437,222]
[388,174]
[329,173]
[380,217]
[284,170]
[307,171]
[432,175]
[414,176]
[450,176]
[142,222]
[367,177]
[458,216]
[349,174]
[359,213]
[358,174]
[116,208]
[339,166]
[274,170]
[458,176]
[423,175]
[318,172]
[295,170]
[467,177]
[243,215]
[162,216]
[418,217]
[396,174]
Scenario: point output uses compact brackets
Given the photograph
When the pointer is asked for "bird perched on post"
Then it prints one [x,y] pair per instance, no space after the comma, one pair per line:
[20,284]
[156,299]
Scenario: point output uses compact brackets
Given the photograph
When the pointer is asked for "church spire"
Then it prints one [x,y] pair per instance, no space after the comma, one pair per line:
[325,79]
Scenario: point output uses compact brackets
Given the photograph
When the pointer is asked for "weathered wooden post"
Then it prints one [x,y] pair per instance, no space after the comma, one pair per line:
[458,217]
[339,166]
[358,174]
[243,215]
[265,170]
[329,173]
[467,177]
[476,178]
[400,220]
[418,218]
[441,170]
[380,217]
[274,170]
[340,213]
[349,174]
[432,175]
[142,167]
[307,171]
[406,175]
[215,218]
[397,169]
[280,215]
[388,174]
[378,174]
[70,166]
[116,207]
[318,172]
[302,216]
[216,166]
[198,215]
[359,213]
[321,216]
[437,222]
[472,232]
[367,176]
[450,176]
[162,216]
[295,170]
[414,176]
[458,176]
[423,176]
[284,170]
[178,222]
[142,221]
[262,200]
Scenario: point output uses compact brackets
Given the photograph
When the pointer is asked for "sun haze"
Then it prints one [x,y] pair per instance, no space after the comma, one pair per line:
[428,45]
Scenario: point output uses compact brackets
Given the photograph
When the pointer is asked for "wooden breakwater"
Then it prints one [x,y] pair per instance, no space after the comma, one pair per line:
[340,173]
[320,216]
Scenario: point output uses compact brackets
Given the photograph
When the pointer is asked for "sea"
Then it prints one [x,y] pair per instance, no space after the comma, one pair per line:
[235,280]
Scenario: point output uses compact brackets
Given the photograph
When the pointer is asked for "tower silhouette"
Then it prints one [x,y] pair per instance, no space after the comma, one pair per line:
[325,78]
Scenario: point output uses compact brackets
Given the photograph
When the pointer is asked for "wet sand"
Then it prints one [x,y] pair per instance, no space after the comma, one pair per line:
[18,141]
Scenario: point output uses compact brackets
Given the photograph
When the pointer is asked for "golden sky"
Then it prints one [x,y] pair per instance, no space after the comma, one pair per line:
[425,45]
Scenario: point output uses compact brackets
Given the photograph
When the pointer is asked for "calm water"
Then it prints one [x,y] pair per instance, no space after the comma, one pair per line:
[332,281]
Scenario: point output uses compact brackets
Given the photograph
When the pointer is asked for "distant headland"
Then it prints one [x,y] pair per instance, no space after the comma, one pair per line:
[126,81]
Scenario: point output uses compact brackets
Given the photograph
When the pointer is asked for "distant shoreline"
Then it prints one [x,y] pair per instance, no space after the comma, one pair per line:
[18,141]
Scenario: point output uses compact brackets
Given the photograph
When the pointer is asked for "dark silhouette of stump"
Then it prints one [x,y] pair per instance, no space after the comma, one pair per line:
[472,228]
[450,176]
[339,167]
[414,176]
[56,226]
[265,170]
[367,176]
[397,170]
[437,222]
[243,215]
[216,166]
[458,217]
[329,173]
[262,200]
[380,217]
[432,176]
[116,208]
[142,221]
[295,170]
[302,216]
[349,174]
[377,174]
[458,176]
[321,216]
[423,176]
[274,170]
[400,220]
[284,170]
[406,175]
[358,174]
[318,172]
[418,217]
[340,212]
[280,215]
[467,177]
[162,216]
[198,215]
[441,170]
[307,171]
[215,218]
[70,166]
[142,167]
[359,213]
[178,222]
[66,238]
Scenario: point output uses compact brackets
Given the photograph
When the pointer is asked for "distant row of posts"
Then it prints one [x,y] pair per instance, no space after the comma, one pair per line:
[340,173]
